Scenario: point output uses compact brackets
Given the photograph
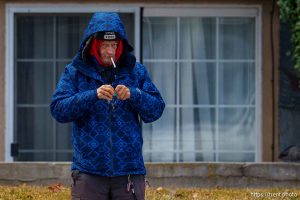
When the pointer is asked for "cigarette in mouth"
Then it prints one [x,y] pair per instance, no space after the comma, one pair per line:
[112,60]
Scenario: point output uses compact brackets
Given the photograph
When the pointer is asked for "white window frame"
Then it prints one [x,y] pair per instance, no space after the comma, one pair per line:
[224,11]
[11,10]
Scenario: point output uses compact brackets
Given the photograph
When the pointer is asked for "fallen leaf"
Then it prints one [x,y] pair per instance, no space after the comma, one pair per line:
[55,187]
[195,195]
[159,189]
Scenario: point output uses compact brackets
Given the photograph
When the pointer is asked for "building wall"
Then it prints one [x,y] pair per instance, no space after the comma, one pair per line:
[182,175]
[267,111]
[2,72]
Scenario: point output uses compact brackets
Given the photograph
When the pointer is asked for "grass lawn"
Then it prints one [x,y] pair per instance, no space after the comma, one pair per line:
[58,192]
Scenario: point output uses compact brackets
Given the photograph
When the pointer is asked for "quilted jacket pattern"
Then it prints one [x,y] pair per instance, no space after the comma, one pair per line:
[106,136]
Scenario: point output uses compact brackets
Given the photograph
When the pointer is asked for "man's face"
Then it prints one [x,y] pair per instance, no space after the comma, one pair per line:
[108,50]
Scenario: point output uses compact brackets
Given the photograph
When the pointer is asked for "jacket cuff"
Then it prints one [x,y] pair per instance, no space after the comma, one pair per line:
[89,98]
[135,95]
[91,95]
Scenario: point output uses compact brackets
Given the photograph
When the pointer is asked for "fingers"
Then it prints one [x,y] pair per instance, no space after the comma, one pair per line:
[105,92]
[123,92]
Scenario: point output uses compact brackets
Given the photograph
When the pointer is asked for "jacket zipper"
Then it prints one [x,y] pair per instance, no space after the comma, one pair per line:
[111,104]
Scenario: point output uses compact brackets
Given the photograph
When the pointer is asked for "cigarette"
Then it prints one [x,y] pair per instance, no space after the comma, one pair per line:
[112,60]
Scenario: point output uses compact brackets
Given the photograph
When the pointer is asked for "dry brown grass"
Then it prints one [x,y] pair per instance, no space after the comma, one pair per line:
[58,192]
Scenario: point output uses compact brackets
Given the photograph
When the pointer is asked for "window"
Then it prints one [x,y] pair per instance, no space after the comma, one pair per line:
[204,61]
[206,69]
[43,45]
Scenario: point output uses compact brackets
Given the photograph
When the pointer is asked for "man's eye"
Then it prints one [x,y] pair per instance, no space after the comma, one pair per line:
[109,45]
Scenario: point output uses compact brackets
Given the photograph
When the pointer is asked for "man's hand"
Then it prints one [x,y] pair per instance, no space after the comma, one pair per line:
[105,92]
[123,92]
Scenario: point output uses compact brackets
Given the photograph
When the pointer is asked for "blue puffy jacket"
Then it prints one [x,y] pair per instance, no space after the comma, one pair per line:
[106,136]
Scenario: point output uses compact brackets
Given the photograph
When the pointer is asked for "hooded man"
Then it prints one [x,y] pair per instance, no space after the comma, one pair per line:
[105,93]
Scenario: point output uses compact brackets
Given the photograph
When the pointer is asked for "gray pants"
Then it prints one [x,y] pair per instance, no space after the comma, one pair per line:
[93,187]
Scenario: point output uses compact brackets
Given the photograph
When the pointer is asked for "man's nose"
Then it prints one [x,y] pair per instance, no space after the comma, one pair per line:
[110,50]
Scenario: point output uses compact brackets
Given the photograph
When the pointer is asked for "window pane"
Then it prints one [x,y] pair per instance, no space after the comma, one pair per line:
[60,69]
[70,30]
[34,82]
[198,83]
[34,37]
[34,130]
[160,138]
[197,38]
[197,132]
[36,156]
[128,20]
[236,157]
[159,38]
[164,156]
[203,83]
[236,127]
[237,38]
[237,83]
[197,156]
[50,37]
[64,156]
[64,136]
[163,76]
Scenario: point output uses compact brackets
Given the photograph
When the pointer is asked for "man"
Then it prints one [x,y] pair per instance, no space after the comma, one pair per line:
[105,92]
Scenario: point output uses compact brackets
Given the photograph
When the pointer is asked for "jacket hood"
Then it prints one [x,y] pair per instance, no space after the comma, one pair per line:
[104,21]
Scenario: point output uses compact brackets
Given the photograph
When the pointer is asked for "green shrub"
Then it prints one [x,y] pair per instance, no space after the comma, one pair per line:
[290,13]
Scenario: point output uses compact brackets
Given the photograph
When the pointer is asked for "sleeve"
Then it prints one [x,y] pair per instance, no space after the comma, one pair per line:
[146,99]
[67,103]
